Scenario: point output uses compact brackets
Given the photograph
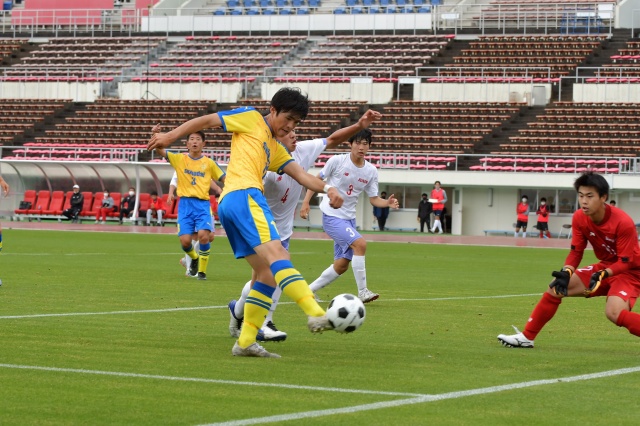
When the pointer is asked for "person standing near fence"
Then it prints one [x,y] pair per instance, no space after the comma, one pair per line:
[522,219]
[438,199]
[425,208]
[543,218]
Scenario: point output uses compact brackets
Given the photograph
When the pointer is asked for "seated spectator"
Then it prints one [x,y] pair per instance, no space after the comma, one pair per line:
[77,200]
[108,206]
[156,209]
[128,204]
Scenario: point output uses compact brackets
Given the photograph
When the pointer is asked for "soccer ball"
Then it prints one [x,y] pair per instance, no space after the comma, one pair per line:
[346,313]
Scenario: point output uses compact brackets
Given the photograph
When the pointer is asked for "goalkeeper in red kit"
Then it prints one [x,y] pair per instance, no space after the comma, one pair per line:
[612,234]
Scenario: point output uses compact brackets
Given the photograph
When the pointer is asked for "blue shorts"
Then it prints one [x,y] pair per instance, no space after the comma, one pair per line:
[343,233]
[194,215]
[247,221]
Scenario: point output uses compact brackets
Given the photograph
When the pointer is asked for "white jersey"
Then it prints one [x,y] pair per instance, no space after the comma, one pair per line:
[283,192]
[174,180]
[350,180]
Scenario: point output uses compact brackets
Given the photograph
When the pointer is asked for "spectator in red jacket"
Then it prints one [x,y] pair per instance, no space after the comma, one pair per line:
[157,209]
[522,210]
[543,218]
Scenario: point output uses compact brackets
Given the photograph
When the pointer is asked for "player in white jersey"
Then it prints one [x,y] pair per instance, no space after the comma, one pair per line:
[282,194]
[351,174]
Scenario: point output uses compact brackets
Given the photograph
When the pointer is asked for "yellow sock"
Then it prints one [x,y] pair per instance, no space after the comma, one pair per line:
[256,308]
[205,250]
[294,286]
[191,252]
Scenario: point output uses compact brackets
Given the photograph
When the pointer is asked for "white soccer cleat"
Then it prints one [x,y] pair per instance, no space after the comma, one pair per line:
[254,350]
[270,333]
[318,299]
[185,264]
[515,340]
[319,324]
[367,295]
[235,324]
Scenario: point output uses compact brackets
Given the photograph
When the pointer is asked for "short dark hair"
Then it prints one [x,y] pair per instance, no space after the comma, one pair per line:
[543,199]
[594,180]
[424,194]
[524,196]
[437,182]
[383,193]
[291,99]
[154,193]
[199,133]
[364,134]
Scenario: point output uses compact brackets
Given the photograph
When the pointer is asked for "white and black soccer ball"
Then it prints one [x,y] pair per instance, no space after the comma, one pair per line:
[346,313]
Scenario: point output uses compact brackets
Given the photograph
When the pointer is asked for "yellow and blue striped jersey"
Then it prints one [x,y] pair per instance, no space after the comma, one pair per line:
[194,174]
[254,150]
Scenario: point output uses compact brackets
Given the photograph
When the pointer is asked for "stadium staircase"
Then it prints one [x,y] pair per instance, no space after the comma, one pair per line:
[445,57]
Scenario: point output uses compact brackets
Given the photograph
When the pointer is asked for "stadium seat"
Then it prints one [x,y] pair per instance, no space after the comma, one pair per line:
[117,197]
[286,11]
[173,210]
[218,12]
[339,11]
[42,202]
[29,197]
[304,10]
[314,3]
[55,206]
[87,205]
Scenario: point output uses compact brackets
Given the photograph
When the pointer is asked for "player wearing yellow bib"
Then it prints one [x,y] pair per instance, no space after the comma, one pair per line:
[245,214]
[194,172]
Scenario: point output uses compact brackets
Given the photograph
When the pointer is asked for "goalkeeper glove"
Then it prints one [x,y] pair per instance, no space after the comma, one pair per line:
[560,285]
[596,280]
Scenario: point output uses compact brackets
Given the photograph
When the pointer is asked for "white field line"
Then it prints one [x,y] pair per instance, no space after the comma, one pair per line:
[415,398]
[425,398]
[198,308]
[203,380]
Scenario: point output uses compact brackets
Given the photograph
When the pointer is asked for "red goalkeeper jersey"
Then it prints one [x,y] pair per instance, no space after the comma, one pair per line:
[614,240]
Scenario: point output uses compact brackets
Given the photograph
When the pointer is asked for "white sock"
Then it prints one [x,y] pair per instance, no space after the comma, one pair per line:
[515,234]
[436,225]
[359,271]
[275,297]
[239,310]
[328,276]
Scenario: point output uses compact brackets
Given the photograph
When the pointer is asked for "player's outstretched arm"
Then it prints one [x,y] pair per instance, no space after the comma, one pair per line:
[343,135]
[313,183]
[5,186]
[381,202]
[163,140]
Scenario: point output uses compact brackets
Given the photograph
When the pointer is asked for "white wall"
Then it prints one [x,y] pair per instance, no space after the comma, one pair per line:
[375,93]
[78,92]
[478,92]
[315,22]
[609,92]
[222,92]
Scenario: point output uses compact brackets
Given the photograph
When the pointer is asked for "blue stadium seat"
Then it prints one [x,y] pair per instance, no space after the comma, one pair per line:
[265,3]
[418,2]
[368,2]
[236,11]
[339,11]
[269,11]
[297,3]
[424,9]
[314,3]
[282,3]
[304,10]
[248,3]
[374,9]
[220,11]
[406,9]
[385,2]
[390,9]
[233,3]
[253,10]
[436,2]
[351,3]
[356,10]
[286,11]
[401,2]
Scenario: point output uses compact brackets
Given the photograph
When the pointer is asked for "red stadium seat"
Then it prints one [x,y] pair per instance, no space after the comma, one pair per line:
[42,202]
[29,197]
[55,207]
[88,203]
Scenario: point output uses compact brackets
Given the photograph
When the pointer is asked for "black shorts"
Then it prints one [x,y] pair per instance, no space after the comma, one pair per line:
[543,226]
[521,224]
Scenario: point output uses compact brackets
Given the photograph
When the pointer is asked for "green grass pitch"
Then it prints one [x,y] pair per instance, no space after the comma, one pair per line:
[104,329]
